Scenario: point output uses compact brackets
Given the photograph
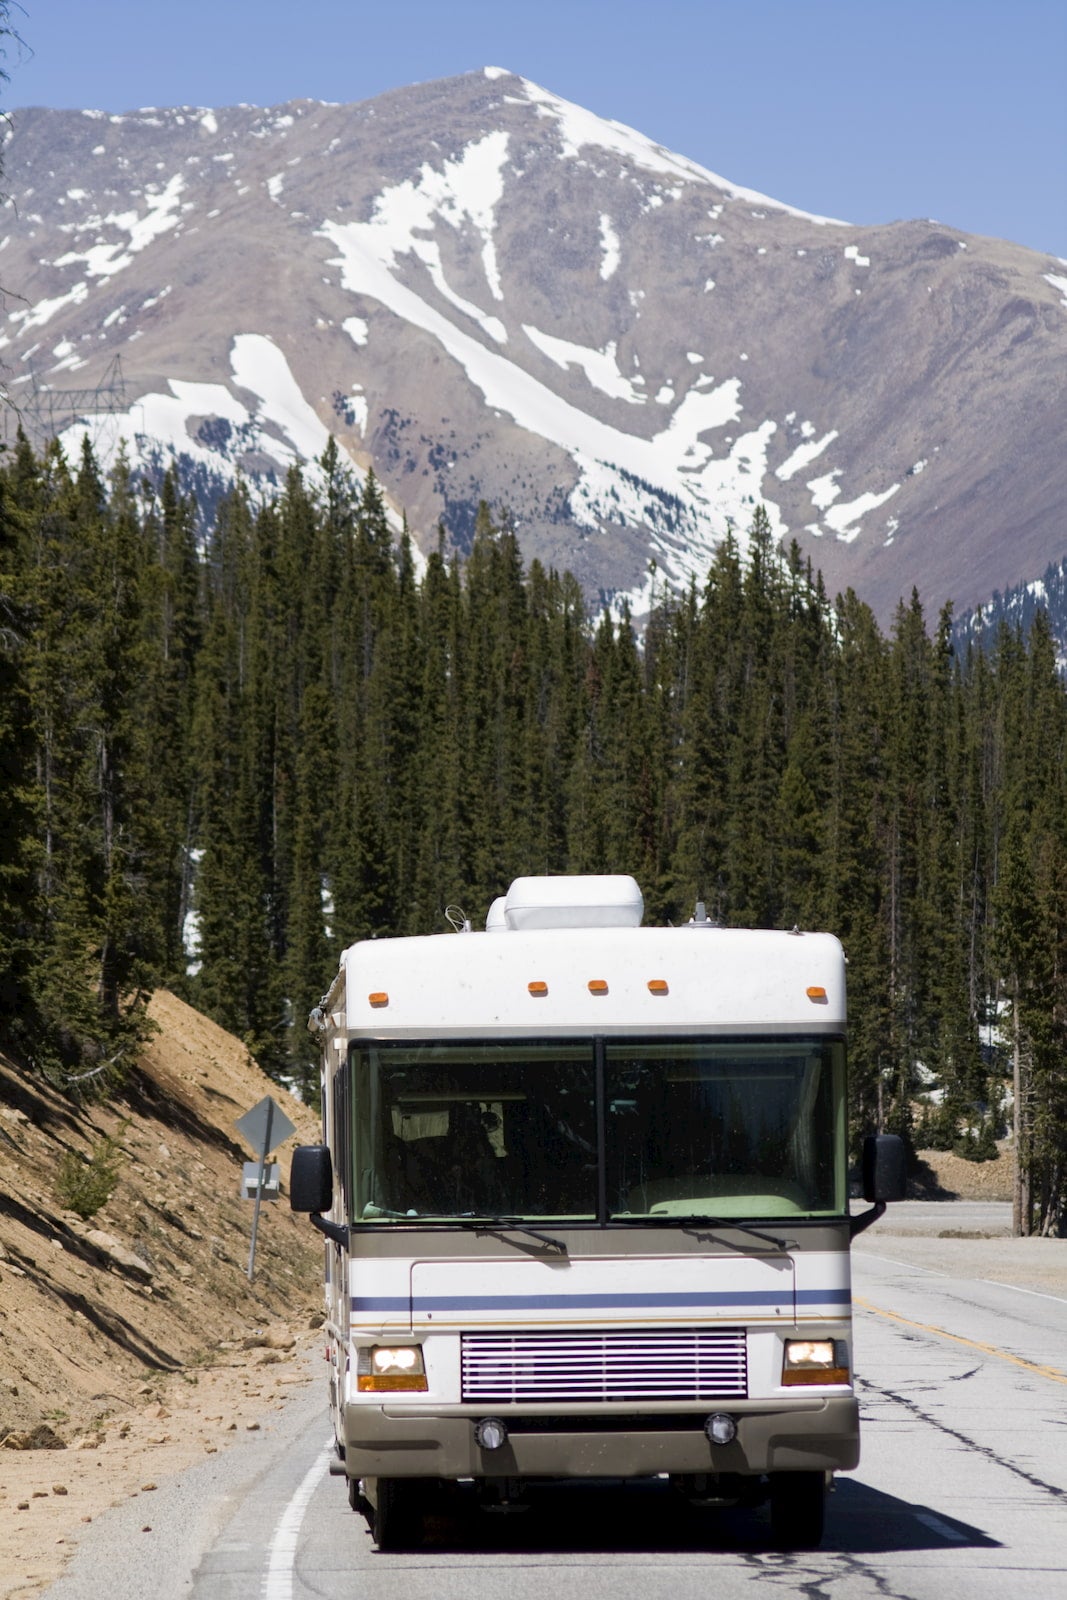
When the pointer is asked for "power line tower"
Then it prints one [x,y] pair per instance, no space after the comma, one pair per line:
[45,412]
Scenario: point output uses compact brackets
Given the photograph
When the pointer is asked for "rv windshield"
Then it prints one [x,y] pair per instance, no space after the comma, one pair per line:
[597,1130]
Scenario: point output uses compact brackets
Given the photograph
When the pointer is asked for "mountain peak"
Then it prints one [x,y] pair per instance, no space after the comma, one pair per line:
[486,291]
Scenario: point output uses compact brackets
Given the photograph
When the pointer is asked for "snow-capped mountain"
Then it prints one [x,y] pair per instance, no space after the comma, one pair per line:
[486,292]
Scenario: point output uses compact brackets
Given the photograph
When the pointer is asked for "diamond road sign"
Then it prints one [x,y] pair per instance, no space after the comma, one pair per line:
[265,1127]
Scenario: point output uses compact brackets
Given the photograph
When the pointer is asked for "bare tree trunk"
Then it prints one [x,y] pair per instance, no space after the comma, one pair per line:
[1021,1222]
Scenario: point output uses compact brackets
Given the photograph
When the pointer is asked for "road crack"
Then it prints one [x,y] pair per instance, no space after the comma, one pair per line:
[987,1451]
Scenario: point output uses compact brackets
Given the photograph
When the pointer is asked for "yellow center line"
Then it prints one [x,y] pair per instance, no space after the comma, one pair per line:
[973,1344]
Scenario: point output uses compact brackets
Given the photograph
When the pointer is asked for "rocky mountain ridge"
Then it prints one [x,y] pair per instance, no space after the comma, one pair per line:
[486,292]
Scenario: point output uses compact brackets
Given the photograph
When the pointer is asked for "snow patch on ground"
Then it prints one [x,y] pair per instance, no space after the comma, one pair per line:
[104,260]
[843,519]
[259,366]
[210,426]
[609,244]
[466,189]
[600,366]
[803,455]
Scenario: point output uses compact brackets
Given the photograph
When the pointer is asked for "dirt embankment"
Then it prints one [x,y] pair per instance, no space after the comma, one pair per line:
[132,1344]
[943,1176]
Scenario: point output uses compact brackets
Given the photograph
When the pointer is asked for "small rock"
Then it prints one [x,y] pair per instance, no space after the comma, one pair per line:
[117,1254]
[251,1427]
[23,1505]
[41,1437]
[147,1487]
[60,1488]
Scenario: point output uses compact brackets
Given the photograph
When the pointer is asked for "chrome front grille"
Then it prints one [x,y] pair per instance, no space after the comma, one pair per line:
[687,1364]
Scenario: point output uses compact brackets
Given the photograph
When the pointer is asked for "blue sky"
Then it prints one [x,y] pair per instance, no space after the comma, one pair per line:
[866,110]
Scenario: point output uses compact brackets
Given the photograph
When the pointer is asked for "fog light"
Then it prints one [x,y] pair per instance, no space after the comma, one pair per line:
[490,1433]
[720,1428]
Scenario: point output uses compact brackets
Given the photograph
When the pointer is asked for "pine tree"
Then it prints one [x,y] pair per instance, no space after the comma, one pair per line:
[18,912]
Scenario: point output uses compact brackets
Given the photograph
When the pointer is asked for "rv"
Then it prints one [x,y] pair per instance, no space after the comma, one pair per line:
[584,1192]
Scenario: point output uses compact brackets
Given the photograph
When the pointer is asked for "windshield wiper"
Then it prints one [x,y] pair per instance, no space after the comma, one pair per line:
[474,1220]
[468,1219]
[689,1224]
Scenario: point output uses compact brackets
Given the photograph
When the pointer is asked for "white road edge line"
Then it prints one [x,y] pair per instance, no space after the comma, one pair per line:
[944,1530]
[1017,1288]
[865,1250]
[278,1578]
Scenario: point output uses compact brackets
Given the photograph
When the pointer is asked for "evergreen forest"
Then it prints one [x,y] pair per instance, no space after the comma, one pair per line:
[227,753]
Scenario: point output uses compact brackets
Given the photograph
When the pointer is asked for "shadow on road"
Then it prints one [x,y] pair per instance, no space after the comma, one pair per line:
[650,1517]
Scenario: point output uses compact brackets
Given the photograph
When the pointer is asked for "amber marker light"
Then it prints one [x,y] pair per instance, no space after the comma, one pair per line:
[537,988]
[378,998]
[817,993]
[598,986]
[658,986]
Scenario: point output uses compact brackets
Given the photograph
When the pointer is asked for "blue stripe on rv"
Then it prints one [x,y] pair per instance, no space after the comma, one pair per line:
[597,1302]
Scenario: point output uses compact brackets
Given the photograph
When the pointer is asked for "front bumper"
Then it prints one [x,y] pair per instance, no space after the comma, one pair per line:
[818,1434]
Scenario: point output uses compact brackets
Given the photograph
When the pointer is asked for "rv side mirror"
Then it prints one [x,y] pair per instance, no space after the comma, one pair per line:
[311,1178]
[884,1167]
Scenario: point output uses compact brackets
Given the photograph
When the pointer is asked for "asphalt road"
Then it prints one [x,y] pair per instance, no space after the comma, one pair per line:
[961,1493]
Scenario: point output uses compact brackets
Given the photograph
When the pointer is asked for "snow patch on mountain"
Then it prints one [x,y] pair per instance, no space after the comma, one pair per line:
[466,189]
[600,366]
[677,466]
[206,425]
[610,247]
[104,260]
[803,456]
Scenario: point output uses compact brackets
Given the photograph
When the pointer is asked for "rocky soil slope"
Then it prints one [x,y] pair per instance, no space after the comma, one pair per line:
[133,1343]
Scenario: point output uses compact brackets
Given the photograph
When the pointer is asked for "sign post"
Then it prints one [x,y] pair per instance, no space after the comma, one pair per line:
[264,1127]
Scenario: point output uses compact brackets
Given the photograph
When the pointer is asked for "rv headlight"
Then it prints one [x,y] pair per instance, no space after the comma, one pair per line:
[383,1368]
[806,1361]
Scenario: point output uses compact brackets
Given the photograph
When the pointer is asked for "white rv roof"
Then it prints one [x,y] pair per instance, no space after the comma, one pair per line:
[606,980]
